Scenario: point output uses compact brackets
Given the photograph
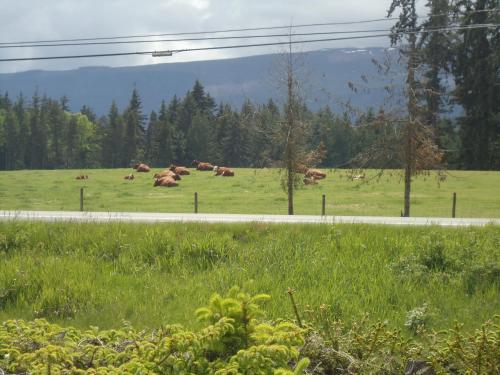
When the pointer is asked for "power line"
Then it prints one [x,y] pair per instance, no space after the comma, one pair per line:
[203,32]
[231,30]
[215,38]
[231,46]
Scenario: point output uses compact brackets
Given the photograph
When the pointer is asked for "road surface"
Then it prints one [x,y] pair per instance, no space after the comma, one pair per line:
[150,217]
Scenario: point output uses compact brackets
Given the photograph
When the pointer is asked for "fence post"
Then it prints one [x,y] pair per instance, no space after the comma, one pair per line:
[323,205]
[454,206]
[81,199]
[195,203]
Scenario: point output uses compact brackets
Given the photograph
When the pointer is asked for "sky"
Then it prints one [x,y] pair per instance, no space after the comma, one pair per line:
[32,20]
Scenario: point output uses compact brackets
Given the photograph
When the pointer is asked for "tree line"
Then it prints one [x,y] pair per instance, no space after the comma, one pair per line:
[41,133]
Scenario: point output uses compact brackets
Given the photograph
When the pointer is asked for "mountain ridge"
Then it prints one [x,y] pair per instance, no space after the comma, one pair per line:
[325,74]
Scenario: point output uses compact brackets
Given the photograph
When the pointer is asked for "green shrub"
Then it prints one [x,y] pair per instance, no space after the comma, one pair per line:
[234,340]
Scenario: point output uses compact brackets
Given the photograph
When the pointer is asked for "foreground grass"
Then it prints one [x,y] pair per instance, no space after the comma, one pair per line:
[91,274]
[251,191]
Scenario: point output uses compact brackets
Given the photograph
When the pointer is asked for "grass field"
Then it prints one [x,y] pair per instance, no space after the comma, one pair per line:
[90,274]
[251,191]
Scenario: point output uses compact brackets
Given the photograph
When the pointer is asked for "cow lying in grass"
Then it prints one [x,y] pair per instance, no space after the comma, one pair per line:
[165,182]
[140,167]
[310,181]
[129,177]
[223,171]
[167,173]
[182,171]
[203,166]
[82,177]
[316,173]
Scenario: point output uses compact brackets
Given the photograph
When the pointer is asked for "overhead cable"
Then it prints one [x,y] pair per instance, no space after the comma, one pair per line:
[232,30]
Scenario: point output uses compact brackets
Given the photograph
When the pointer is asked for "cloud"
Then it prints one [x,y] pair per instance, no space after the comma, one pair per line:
[61,19]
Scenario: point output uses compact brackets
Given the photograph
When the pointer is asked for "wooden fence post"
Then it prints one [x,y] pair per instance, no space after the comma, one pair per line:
[454,206]
[81,199]
[323,205]
[195,203]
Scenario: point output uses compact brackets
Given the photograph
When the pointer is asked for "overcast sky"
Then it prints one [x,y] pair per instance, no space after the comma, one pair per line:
[28,20]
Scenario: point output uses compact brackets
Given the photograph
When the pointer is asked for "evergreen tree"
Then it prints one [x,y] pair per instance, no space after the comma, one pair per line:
[56,128]
[134,130]
[37,145]
[167,133]
[87,111]
[72,143]
[197,145]
[435,48]
[24,132]
[64,103]
[203,101]
[233,141]
[9,135]
[152,140]
[5,102]
[475,67]
[185,113]
[220,130]
[336,136]
[178,137]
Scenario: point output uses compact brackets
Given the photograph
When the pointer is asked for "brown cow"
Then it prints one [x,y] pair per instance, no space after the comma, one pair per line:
[316,173]
[166,182]
[179,170]
[167,173]
[203,166]
[129,177]
[140,167]
[301,168]
[82,177]
[223,171]
[310,181]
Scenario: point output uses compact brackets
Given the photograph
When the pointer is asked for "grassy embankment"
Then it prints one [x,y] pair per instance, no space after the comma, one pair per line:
[90,274]
[251,191]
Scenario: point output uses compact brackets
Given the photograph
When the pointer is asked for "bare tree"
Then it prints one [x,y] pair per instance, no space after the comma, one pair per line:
[403,137]
[290,131]
[294,127]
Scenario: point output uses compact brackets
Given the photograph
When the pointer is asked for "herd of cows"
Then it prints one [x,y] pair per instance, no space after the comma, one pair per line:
[170,177]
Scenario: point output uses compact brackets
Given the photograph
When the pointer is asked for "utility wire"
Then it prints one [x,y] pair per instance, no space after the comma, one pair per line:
[231,30]
[451,28]
[232,46]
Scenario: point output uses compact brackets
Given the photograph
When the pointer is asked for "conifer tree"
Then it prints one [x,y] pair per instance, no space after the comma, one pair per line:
[167,134]
[57,126]
[133,149]
[24,132]
[152,140]
[12,137]
[475,68]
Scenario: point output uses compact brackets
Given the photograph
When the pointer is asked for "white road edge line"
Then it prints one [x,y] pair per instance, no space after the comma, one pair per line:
[151,217]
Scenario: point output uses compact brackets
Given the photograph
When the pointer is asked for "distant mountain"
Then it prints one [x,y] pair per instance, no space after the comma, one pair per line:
[324,75]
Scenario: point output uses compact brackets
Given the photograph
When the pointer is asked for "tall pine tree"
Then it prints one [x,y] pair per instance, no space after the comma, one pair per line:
[134,142]
[475,67]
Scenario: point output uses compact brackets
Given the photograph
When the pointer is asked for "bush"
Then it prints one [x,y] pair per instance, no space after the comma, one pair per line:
[236,339]
[417,318]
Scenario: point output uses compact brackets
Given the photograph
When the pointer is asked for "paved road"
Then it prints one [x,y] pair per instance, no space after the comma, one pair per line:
[147,217]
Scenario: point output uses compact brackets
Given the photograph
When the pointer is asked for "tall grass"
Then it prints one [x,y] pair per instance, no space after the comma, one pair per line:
[94,274]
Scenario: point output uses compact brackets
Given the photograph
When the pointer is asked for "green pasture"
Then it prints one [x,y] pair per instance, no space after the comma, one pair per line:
[102,274]
[254,191]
